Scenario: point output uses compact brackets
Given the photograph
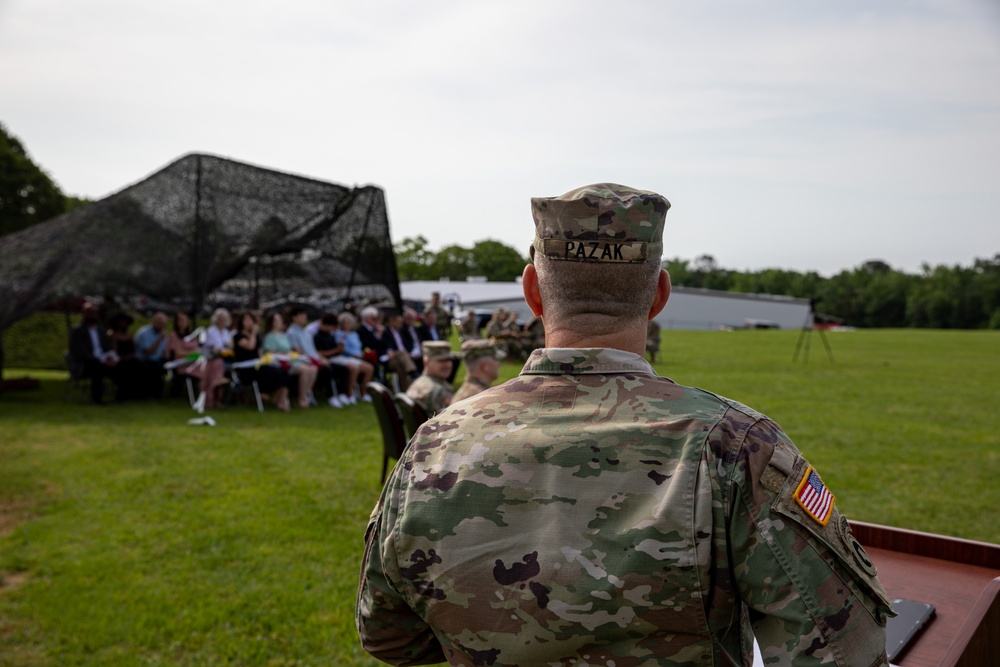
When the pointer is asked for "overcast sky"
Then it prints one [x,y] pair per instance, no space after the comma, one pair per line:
[794,134]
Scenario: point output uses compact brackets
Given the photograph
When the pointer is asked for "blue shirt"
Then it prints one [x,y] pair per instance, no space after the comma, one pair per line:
[145,338]
[302,341]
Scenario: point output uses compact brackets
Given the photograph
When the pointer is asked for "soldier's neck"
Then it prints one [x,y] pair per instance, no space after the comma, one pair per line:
[631,339]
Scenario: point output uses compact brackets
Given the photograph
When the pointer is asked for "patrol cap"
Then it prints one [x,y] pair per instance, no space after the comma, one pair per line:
[604,222]
[437,349]
[478,348]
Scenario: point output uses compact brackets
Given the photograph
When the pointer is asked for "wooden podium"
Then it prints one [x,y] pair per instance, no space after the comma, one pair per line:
[960,578]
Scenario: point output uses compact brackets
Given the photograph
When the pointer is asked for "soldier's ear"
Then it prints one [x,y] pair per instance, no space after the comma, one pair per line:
[662,294]
[529,285]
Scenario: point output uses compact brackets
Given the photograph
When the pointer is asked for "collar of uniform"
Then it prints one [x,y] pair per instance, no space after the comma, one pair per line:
[588,360]
[477,381]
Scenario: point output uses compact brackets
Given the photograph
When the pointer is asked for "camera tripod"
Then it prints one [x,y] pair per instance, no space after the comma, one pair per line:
[806,333]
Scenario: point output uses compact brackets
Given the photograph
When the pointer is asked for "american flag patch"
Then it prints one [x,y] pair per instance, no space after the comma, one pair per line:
[813,496]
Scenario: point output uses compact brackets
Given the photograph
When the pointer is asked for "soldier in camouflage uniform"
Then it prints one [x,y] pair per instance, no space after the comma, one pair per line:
[494,328]
[652,340]
[432,389]
[470,326]
[591,513]
[482,361]
[534,334]
[443,322]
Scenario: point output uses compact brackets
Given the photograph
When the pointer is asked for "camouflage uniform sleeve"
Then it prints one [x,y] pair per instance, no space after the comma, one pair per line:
[388,627]
[812,593]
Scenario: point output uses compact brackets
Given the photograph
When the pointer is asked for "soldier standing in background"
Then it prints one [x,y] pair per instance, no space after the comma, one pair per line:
[652,340]
[443,321]
[590,512]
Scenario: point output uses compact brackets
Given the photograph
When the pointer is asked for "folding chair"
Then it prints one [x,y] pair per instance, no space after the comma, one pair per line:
[390,423]
[413,413]
[238,387]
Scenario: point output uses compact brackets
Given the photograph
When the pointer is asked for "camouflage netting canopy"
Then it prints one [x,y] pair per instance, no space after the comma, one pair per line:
[207,231]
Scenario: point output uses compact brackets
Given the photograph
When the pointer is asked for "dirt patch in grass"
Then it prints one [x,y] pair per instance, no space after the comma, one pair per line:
[12,513]
[13,580]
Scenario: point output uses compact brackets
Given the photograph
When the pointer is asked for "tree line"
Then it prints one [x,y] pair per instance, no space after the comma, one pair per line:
[871,295]
[492,260]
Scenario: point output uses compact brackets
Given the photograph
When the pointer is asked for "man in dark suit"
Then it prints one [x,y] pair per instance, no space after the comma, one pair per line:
[370,332]
[91,354]
[399,347]
[428,328]
[411,322]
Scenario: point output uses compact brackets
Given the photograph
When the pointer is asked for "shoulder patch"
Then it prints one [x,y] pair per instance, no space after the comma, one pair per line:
[813,497]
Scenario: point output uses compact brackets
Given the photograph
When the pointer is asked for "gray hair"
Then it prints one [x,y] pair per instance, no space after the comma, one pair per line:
[594,297]
[220,312]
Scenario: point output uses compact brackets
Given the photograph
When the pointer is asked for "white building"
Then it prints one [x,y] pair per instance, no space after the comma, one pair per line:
[688,308]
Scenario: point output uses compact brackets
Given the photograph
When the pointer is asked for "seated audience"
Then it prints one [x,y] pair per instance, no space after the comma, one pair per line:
[121,339]
[334,351]
[129,368]
[271,380]
[91,354]
[302,342]
[178,347]
[348,336]
[370,331]
[398,350]
[151,351]
[276,341]
[410,323]
[428,329]
[218,344]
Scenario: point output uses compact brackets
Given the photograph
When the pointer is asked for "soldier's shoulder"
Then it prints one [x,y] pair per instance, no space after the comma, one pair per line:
[419,385]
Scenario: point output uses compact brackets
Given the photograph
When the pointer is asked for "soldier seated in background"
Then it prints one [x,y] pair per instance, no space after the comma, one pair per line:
[482,362]
[534,332]
[590,512]
[431,389]
[470,326]
[494,328]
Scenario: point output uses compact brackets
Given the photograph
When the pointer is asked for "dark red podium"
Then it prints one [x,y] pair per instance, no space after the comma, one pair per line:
[960,578]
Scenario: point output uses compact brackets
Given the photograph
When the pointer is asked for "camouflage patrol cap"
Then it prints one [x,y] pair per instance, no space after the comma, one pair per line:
[437,349]
[479,348]
[604,222]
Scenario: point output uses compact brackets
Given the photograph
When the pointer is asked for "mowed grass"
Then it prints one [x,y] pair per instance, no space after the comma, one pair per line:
[128,537]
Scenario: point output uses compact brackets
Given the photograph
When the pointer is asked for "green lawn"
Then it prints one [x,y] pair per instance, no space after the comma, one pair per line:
[128,537]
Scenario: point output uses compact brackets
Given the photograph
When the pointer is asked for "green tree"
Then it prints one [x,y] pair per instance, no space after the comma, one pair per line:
[679,270]
[497,261]
[414,260]
[454,262]
[27,195]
